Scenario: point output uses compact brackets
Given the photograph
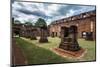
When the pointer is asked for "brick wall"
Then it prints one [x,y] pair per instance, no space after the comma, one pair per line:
[85,24]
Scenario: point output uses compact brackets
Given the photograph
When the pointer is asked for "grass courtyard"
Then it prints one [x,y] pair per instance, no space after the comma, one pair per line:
[40,53]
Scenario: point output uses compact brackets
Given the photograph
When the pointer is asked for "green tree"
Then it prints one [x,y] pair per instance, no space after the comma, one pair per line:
[17,22]
[40,23]
[28,23]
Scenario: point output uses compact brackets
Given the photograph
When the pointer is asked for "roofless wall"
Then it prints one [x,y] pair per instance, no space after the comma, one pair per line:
[86,22]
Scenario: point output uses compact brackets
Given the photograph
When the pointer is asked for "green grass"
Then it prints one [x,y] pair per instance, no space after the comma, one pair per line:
[52,42]
[40,53]
[90,47]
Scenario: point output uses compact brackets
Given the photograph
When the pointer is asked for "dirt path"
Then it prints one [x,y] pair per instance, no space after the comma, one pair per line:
[17,55]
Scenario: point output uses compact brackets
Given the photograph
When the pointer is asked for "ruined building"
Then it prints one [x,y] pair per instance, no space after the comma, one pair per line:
[85,22]
[23,30]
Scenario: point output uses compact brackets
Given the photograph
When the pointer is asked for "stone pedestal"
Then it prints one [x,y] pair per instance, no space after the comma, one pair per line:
[69,39]
[33,34]
[28,34]
[33,37]
[43,35]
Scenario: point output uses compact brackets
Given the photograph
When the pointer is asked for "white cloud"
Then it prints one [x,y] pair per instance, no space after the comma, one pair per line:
[49,12]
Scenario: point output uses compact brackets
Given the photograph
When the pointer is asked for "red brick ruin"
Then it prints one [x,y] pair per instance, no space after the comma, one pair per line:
[22,30]
[69,39]
[85,22]
[68,29]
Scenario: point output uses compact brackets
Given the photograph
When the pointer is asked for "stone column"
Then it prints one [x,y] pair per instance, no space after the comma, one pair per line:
[64,35]
[74,46]
[43,35]
[69,39]
[33,34]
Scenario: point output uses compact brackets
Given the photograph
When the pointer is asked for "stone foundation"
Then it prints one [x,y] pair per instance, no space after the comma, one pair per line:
[71,54]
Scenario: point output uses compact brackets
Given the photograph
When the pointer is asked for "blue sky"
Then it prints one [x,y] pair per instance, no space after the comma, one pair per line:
[30,11]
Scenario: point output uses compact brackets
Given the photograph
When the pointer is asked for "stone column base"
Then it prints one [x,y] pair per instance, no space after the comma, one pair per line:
[72,54]
[43,40]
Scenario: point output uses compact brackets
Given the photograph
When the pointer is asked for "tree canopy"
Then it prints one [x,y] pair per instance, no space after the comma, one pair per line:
[28,23]
[17,22]
[40,23]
